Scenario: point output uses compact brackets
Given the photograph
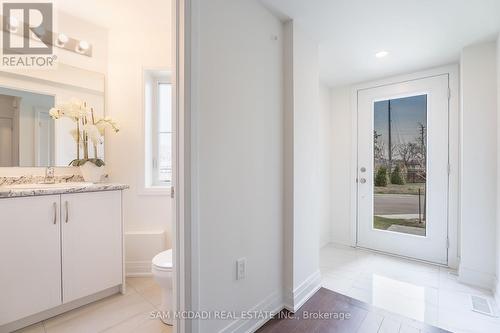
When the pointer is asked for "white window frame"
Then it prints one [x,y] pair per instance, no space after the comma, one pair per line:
[150,134]
[155,132]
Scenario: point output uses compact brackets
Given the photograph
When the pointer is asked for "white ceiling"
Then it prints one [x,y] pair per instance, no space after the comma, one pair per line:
[417,33]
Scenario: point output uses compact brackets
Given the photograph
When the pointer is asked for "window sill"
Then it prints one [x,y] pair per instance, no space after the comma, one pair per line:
[156,190]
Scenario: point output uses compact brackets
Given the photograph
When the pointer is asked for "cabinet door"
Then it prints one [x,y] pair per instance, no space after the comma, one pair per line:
[30,256]
[91,243]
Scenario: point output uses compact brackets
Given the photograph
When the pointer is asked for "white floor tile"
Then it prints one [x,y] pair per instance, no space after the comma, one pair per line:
[389,326]
[337,284]
[142,323]
[99,316]
[405,292]
[140,283]
[371,323]
[408,329]
[467,321]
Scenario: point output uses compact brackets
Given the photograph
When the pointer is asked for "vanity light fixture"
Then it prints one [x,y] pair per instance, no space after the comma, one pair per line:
[59,40]
[62,39]
[13,24]
[381,54]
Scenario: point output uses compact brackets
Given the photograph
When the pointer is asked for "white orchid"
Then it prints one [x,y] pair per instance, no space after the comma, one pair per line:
[93,134]
[88,129]
[104,123]
[56,113]
[74,109]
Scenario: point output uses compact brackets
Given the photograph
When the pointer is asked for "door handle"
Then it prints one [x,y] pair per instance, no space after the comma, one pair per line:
[55,212]
[67,211]
[362,180]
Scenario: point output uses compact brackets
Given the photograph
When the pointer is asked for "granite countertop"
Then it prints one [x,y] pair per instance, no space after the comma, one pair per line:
[10,191]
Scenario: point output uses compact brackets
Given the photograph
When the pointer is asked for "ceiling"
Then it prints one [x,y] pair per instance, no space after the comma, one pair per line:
[106,13]
[418,34]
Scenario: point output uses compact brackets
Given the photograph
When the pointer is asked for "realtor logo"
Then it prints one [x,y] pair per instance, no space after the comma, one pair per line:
[27,34]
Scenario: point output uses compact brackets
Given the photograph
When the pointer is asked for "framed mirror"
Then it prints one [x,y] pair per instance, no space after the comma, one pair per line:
[29,136]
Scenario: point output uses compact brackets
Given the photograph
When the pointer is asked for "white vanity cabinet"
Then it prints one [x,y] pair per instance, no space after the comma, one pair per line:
[91,243]
[30,256]
[55,250]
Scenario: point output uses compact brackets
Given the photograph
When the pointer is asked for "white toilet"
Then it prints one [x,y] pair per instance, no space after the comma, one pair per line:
[162,273]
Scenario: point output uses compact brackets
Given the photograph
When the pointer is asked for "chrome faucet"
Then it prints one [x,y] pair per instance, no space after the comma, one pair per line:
[49,176]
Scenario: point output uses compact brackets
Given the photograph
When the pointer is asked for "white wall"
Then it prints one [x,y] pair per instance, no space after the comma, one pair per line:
[341,125]
[308,191]
[325,154]
[239,158]
[478,164]
[497,287]
[132,48]
[78,28]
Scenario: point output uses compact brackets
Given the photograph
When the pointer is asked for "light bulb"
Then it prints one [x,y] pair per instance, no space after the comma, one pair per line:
[83,46]
[62,39]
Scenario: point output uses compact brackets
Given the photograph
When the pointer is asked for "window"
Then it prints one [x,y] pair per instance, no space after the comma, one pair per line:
[158,130]
[162,158]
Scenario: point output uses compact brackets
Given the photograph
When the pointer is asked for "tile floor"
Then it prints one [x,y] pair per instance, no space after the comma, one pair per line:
[363,318]
[405,291]
[115,314]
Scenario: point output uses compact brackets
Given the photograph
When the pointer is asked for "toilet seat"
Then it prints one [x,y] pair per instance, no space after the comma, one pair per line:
[163,261]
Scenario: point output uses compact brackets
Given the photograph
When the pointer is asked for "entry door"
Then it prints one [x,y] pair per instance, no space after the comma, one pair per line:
[402,187]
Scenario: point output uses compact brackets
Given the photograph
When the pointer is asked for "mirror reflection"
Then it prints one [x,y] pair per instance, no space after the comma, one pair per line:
[27,131]
[30,136]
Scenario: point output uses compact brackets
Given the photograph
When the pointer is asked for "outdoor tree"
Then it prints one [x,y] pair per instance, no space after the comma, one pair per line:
[381,177]
[397,177]
[407,152]
[421,154]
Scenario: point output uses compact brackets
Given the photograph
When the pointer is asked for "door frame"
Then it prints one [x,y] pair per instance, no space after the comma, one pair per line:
[453,148]
[184,224]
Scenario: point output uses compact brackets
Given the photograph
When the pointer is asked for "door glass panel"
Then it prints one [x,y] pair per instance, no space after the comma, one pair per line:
[400,171]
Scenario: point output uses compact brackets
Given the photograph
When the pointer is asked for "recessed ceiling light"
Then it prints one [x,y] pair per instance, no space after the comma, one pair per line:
[381,54]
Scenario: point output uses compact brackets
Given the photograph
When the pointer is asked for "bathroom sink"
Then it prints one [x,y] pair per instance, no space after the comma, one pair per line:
[47,186]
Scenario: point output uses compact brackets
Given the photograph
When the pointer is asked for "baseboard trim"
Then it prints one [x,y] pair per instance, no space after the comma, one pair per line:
[301,294]
[270,305]
[496,293]
[274,303]
[341,242]
[476,278]
[138,268]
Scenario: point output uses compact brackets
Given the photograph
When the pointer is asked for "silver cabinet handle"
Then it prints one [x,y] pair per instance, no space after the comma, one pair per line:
[55,212]
[67,211]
